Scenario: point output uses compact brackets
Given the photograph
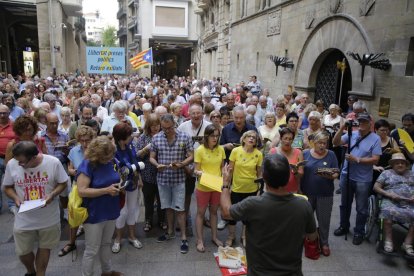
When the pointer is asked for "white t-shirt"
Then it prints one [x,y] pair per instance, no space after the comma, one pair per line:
[36,183]
[187,127]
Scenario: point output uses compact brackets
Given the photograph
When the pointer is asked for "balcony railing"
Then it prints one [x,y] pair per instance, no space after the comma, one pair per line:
[122,32]
[121,12]
[132,24]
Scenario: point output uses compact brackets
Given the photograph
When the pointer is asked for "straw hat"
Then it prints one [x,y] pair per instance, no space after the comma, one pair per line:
[398,156]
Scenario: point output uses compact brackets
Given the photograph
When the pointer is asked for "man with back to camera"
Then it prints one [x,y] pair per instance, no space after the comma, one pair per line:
[274,243]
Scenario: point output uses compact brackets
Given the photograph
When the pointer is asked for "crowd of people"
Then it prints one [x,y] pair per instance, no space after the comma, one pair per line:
[94,132]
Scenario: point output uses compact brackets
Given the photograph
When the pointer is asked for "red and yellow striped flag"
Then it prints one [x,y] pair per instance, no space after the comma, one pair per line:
[141,59]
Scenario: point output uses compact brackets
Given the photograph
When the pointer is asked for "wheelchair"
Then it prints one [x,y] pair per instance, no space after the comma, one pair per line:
[375,225]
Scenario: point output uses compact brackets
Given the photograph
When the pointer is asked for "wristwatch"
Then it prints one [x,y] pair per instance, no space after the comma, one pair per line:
[225,187]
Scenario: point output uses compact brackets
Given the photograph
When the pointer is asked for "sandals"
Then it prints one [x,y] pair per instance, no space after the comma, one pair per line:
[388,246]
[163,225]
[408,248]
[66,249]
[200,247]
[147,226]
[217,242]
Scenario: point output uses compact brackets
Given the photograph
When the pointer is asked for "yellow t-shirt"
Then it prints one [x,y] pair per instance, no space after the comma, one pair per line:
[210,162]
[244,172]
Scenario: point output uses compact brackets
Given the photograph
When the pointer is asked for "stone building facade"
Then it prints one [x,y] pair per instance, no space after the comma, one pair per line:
[168,26]
[238,39]
[53,30]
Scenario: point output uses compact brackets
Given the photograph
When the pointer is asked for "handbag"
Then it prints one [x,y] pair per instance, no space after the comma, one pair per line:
[312,248]
[77,213]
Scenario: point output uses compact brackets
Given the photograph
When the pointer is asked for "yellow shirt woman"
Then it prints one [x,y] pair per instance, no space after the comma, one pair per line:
[245,169]
[210,162]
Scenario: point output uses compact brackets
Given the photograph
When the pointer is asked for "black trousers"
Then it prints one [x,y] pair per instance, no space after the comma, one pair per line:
[150,191]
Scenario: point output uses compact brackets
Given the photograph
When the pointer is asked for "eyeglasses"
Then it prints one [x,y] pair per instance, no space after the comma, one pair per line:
[165,129]
[215,116]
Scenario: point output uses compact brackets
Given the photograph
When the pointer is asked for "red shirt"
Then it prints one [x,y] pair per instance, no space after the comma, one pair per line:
[6,135]
[185,110]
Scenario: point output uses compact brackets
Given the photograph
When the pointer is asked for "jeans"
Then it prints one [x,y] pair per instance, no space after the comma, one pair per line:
[361,191]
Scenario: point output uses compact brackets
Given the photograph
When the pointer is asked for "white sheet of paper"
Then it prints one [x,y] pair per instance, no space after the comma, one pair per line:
[31,205]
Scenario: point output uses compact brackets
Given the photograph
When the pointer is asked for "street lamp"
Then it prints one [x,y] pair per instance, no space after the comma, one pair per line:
[371,60]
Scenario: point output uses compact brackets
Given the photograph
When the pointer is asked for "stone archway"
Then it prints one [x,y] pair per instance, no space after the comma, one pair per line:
[340,32]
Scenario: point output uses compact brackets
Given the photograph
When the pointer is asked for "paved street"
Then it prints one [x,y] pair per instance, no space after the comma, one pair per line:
[165,258]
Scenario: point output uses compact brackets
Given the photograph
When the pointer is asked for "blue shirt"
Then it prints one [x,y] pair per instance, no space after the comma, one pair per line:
[56,149]
[371,145]
[230,134]
[76,156]
[16,112]
[128,157]
[313,184]
[105,207]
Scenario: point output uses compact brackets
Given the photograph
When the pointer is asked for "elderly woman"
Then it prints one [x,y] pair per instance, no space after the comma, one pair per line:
[245,167]
[119,113]
[397,188]
[126,156]
[215,119]
[98,185]
[317,184]
[269,131]
[176,112]
[320,107]
[280,114]
[84,135]
[294,156]
[149,175]
[65,114]
[388,147]
[314,119]
[146,111]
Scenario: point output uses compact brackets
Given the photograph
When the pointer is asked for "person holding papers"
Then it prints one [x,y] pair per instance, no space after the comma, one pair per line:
[208,160]
[32,178]
[245,167]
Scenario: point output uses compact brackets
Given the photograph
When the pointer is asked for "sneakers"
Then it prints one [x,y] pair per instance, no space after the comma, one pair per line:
[116,247]
[358,239]
[221,224]
[184,247]
[340,231]
[166,237]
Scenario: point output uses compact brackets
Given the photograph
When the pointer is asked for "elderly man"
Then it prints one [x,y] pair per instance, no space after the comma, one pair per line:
[196,98]
[254,86]
[232,132]
[119,113]
[304,99]
[171,152]
[363,154]
[86,114]
[6,135]
[101,112]
[194,128]
[263,108]
[32,176]
[54,108]
[276,222]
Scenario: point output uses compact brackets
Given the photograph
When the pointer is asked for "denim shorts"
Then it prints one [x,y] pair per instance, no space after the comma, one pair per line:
[172,197]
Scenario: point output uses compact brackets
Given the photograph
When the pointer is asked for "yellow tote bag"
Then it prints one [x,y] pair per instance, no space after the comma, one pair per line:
[77,213]
[213,182]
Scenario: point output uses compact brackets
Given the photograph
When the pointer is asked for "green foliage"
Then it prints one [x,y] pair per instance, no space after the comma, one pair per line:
[109,38]
[92,43]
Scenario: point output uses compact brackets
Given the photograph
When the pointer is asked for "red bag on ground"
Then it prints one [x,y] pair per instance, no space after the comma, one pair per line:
[312,249]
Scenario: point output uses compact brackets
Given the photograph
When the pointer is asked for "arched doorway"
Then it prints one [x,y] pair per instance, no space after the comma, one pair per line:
[328,80]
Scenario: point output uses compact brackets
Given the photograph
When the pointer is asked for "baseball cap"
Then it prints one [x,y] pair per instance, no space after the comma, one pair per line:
[364,116]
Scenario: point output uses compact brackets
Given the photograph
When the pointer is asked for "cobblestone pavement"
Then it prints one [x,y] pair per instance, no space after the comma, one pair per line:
[165,259]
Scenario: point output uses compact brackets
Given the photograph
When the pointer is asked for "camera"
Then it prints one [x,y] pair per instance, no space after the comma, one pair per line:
[197,139]
[351,123]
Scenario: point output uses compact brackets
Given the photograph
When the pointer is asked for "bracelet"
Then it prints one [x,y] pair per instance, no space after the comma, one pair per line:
[225,187]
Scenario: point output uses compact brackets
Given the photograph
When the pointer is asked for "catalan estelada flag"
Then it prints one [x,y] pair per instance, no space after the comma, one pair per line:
[141,59]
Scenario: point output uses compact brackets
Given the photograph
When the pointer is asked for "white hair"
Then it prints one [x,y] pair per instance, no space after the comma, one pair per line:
[119,106]
[146,107]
